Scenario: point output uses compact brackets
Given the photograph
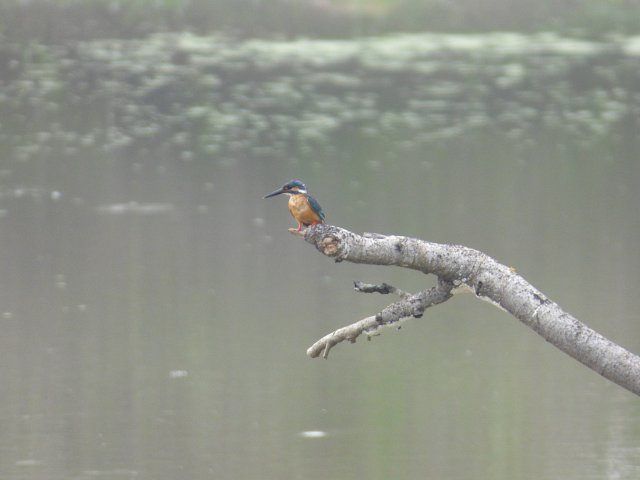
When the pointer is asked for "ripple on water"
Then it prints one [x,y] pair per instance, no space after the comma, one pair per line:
[136,208]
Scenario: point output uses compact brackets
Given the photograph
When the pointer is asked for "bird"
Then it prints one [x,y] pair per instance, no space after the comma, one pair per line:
[305,209]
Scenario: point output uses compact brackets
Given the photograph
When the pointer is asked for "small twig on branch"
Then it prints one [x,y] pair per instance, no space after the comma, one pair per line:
[460,268]
[408,306]
[350,332]
[383,288]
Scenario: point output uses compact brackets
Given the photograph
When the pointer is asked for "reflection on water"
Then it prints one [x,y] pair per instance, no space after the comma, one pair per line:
[155,311]
[207,97]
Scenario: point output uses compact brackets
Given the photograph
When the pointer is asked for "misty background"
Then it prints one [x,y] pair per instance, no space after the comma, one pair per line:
[155,311]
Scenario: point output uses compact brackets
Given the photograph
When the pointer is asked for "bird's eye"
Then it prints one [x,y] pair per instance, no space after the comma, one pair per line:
[287,187]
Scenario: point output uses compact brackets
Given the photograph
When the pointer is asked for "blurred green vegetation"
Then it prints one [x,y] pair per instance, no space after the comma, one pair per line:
[199,98]
[59,21]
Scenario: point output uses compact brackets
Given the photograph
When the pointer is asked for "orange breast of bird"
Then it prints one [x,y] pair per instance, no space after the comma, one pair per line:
[302,211]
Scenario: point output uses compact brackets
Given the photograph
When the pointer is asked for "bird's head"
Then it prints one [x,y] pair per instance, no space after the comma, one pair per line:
[292,187]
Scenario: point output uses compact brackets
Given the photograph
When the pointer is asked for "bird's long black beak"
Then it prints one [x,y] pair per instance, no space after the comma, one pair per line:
[274,193]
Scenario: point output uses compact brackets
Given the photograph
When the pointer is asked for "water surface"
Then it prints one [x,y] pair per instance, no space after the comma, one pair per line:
[156,312]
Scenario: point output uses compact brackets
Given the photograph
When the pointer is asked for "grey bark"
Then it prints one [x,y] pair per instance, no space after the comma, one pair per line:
[460,268]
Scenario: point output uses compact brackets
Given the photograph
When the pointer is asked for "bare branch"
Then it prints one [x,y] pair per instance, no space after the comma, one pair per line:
[460,268]
[409,306]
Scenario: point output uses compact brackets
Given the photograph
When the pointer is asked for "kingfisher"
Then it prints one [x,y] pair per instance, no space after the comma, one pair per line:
[304,208]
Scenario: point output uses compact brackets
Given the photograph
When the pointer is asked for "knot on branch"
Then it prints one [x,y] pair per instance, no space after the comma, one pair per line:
[329,245]
[417,308]
[329,240]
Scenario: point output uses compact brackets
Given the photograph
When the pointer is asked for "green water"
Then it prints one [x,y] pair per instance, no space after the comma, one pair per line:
[155,311]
